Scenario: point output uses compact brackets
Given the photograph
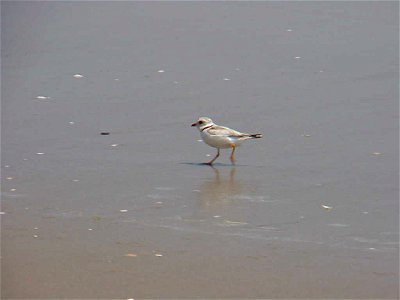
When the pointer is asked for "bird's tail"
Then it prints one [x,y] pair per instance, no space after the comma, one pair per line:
[256,135]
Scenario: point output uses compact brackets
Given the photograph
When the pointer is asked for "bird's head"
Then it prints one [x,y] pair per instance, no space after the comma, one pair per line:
[203,122]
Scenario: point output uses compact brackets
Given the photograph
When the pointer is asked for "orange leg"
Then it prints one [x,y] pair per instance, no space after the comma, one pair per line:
[233,155]
[211,161]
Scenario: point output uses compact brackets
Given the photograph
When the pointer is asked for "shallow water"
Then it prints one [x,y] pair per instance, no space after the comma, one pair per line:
[318,195]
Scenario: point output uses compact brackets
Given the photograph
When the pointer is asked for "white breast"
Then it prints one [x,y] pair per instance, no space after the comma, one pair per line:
[220,141]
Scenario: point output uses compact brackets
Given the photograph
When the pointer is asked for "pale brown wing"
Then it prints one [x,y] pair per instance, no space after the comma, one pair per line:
[225,131]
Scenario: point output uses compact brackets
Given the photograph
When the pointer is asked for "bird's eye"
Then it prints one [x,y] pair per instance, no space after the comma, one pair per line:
[201,122]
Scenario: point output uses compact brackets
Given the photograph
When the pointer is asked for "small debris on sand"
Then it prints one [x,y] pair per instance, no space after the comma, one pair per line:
[130,255]
[326,207]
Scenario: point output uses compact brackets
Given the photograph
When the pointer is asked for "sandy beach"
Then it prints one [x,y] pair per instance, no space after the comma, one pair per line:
[310,211]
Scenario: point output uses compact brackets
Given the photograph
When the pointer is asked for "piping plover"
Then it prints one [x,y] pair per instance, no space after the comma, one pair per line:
[222,137]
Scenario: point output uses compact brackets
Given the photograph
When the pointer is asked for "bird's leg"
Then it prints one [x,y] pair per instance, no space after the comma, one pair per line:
[233,155]
[211,161]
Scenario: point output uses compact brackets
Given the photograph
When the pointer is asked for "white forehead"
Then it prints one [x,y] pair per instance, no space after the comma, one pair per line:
[205,119]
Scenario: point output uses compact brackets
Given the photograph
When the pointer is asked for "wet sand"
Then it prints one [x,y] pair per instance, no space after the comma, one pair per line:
[309,211]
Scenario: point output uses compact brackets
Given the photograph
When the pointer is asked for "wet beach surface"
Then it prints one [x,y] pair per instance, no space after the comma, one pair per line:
[309,211]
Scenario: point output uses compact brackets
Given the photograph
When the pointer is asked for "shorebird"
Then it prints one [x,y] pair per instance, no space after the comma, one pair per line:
[221,137]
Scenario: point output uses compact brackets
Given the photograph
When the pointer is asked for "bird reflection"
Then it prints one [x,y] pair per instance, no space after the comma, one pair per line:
[217,193]
[219,190]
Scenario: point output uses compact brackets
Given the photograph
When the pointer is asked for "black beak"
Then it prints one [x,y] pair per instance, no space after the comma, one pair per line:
[194,124]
